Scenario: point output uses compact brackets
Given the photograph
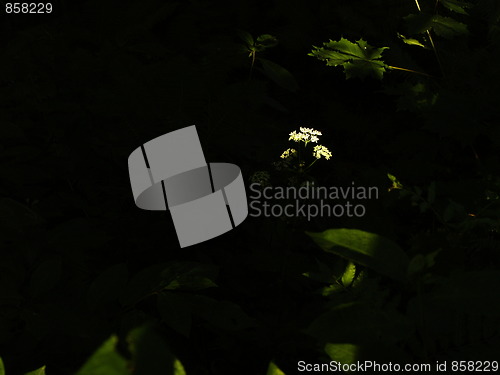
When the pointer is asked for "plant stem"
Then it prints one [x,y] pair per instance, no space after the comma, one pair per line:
[253,53]
[409,70]
[435,52]
[432,41]
[310,165]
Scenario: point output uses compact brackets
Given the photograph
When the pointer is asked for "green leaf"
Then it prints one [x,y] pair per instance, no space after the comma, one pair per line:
[40,371]
[456,5]
[142,284]
[343,353]
[274,370]
[420,263]
[368,249]
[185,275]
[265,41]
[105,361]
[2,368]
[358,59]
[323,274]
[391,177]
[448,27]
[411,42]
[279,75]
[445,27]
[223,315]
[150,353]
[418,23]
[246,37]
[349,273]
[413,97]
[395,183]
[173,275]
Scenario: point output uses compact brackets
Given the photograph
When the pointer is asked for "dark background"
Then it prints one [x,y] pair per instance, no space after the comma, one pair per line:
[82,87]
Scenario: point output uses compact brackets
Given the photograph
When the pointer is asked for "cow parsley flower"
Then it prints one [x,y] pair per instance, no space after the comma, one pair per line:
[320,151]
[297,137]
[310,131]
[305,135]
[287,153]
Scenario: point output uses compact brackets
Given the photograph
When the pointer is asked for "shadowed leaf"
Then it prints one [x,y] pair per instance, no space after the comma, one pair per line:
[279,75]
[368,249]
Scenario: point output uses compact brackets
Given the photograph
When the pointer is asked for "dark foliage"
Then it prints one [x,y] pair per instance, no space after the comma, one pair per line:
[83,86]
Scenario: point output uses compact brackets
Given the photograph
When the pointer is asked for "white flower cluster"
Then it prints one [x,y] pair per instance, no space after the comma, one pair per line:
[287,153]
[307,135]
[320,151]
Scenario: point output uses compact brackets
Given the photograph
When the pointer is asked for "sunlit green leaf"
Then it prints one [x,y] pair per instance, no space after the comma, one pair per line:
[349,273]
[2,368]
[411,41]
[274,370]
[150,353]
[105,361]
[368,249]
[358,59]
[343,353]
[178,368]
[40,371]
[331,289]
[395,183]
[458,6]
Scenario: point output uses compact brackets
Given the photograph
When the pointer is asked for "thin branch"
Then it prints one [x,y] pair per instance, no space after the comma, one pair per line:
[432,41]
[410,70]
